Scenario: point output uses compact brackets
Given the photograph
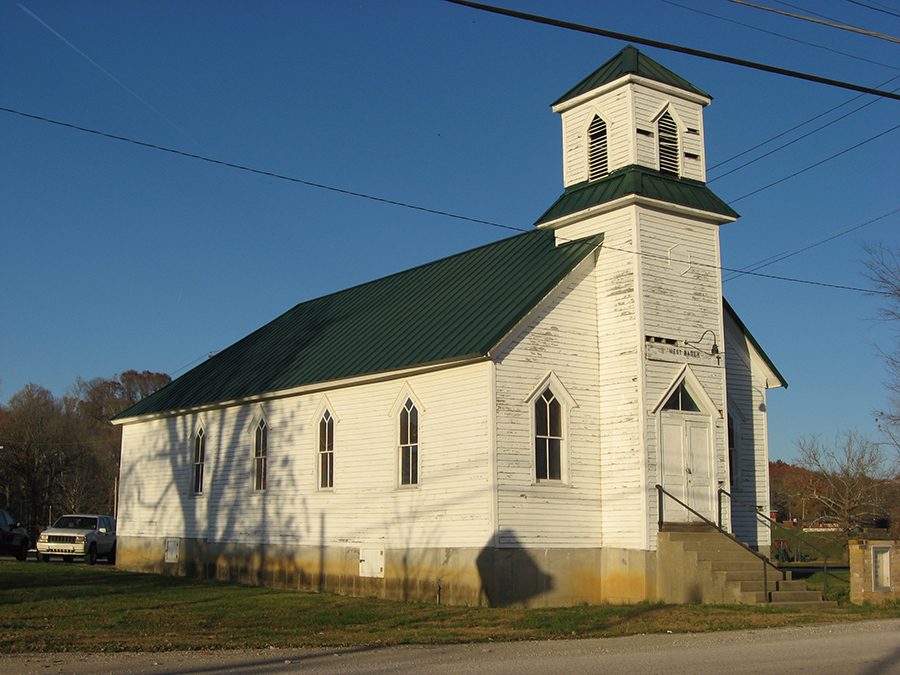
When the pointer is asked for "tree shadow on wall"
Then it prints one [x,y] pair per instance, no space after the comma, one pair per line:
[509,575]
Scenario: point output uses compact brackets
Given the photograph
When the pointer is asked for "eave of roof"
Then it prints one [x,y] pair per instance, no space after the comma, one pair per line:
[637,180]
[746,331]
[454,308]
[629,61]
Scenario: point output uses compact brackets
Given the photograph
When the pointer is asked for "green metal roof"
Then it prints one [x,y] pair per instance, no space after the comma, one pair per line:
[629,61]
[449,309]
[637,180]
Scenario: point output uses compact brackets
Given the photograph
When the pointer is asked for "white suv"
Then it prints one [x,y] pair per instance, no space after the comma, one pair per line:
[87,535]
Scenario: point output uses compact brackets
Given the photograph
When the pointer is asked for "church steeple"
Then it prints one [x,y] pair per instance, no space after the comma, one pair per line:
[650,117]
[632,133]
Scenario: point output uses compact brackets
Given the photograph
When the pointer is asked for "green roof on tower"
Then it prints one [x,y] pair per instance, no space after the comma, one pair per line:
[629,61]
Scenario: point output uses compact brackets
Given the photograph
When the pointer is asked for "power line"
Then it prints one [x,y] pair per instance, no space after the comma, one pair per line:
[813,166]
[242,167]
[394,202]
[673,48]
[830,23]
[795,140]
[795,127]
[781,35]
[872,7]
[778,257]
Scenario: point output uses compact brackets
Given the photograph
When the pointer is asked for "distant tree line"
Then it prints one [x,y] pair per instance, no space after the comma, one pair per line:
[853,484]
[61,454]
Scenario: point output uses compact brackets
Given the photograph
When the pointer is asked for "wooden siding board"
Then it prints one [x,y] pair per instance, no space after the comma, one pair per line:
[450,507]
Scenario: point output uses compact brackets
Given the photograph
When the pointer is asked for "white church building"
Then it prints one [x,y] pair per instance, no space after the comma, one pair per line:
[491,427]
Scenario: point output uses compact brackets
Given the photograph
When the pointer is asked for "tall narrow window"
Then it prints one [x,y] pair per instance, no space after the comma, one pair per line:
[326,450]
[260,455]
[547,437]
[409,444]
[199,460]
[732,450]
[667,132]
[598,165]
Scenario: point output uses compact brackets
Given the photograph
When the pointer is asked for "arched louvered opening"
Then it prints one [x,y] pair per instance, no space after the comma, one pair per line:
[667,132]
[598,164]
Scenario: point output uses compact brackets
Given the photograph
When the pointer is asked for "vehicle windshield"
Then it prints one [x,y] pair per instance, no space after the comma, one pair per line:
[76,523]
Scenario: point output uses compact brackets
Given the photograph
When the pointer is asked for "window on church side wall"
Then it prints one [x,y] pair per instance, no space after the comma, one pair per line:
[732,450]
[681,400]
[598,163]
[260,456]
[409,444]
[326,450]
[199,461]
[547,437]
[667,135]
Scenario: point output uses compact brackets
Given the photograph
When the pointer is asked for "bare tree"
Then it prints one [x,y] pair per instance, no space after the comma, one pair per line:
[848,478]
[883,265]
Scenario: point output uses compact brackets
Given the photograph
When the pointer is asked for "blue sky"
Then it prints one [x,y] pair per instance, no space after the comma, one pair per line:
[116,257]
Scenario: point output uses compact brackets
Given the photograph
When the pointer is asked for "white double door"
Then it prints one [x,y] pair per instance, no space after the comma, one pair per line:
[687,466]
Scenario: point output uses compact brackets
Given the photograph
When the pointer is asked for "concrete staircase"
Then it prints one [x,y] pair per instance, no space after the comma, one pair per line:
[697,563]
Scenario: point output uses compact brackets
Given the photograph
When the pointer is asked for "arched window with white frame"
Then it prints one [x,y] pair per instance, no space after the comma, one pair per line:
[199,461]
[326,450]
[260,456]
[548,436]
[409,443]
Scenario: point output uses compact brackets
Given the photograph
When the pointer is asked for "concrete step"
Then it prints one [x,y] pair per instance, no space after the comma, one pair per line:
[736,566]
[729,555]
[754,574]
[789,585]
[687,527]
[758,586]
[796,596]
[819,604]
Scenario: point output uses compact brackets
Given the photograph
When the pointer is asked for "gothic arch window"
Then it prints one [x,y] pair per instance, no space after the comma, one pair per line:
[598,161]
[326,450]
[260,455]
[199,461]
[409,443]
[548,436]
[667,134]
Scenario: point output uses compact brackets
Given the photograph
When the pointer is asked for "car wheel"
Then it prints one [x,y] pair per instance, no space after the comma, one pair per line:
[22,553]
[92,555]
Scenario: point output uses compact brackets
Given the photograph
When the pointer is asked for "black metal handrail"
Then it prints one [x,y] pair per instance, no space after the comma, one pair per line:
[772,524]
[662,493]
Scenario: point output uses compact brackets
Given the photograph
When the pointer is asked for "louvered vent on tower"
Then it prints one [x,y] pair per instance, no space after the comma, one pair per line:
[598,165]
[667,132]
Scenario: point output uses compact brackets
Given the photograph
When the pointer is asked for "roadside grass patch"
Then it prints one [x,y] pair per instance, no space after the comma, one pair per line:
[69,607]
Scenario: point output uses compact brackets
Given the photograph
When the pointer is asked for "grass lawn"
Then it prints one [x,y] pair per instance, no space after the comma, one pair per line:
[72,607]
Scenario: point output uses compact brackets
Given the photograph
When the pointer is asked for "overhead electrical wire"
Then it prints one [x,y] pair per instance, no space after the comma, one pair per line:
[793,128]
[813,166]
[781,35]
[792,141]
[568,25]
[873,8]
[778,257]
[393,202]
[830,23]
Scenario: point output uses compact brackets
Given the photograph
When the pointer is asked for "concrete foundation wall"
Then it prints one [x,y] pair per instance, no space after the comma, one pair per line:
[488,576]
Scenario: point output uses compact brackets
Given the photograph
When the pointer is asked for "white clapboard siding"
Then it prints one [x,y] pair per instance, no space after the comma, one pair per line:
[747,401]
[681,299]
[560,337]
[648,105]
[452,506]
[614,108]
